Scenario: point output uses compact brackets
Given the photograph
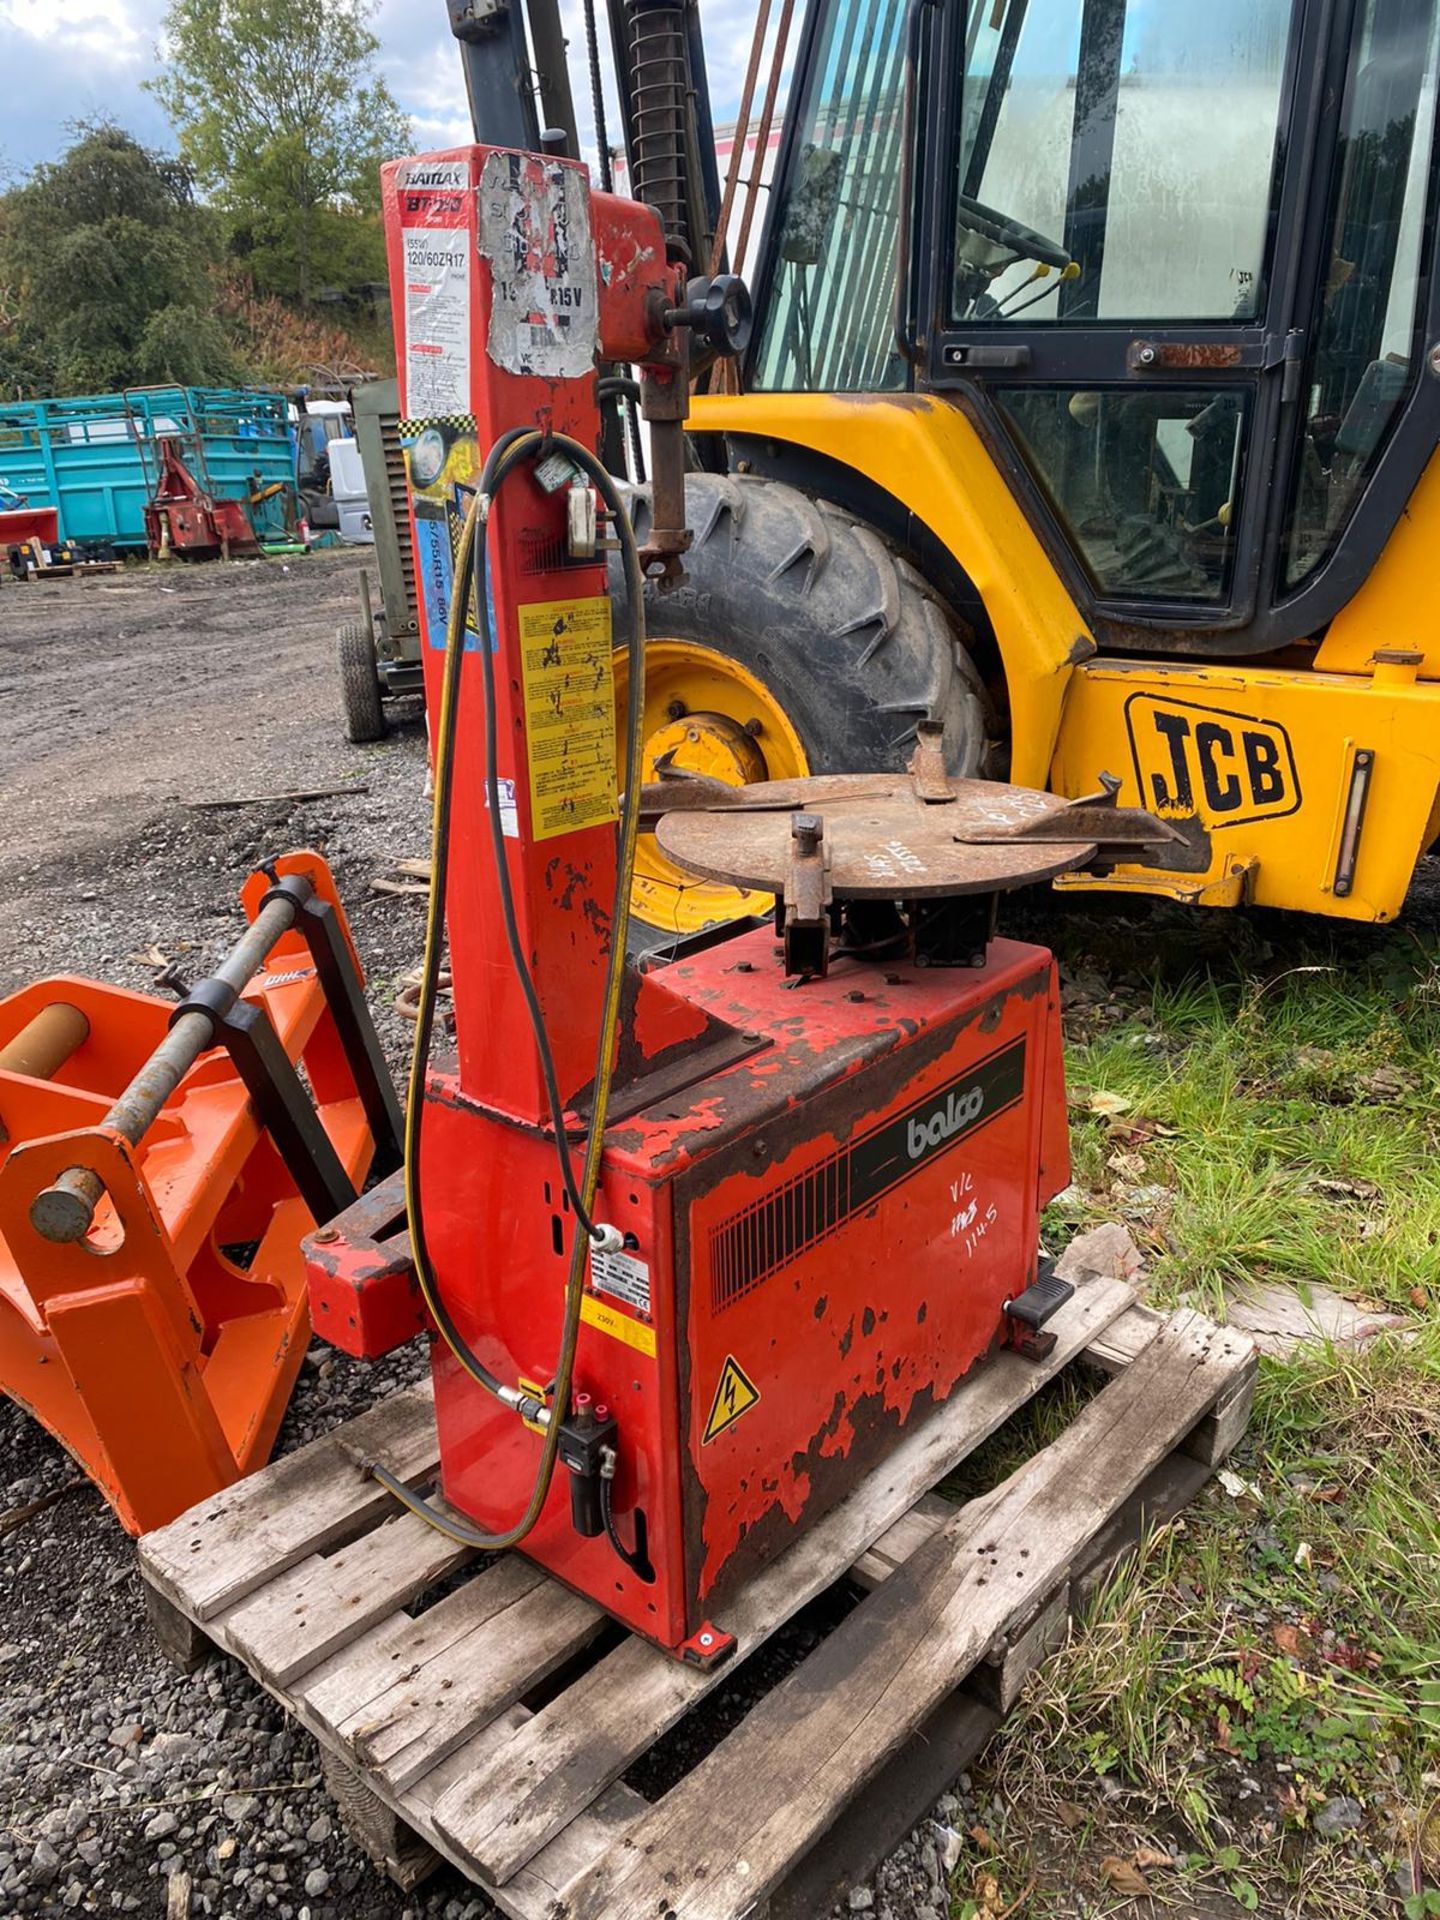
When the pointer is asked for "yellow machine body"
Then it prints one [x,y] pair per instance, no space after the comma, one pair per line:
[1313,778]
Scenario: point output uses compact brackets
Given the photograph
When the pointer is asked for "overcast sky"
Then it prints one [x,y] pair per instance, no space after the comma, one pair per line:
[66,60]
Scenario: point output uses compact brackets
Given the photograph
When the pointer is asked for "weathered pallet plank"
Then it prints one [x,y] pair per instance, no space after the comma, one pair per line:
[305,1615]
[1009,1661]
[909,1533]
[533,1891]
[1214,1437]
[456,1689]
[381,1572]
[567,1859]
[539,1888]
[1126,1336]
[812,1744]
[238,1540]
[1218,1433]
[381,1818]
[350,1687]
[957,1733]
[504,1812]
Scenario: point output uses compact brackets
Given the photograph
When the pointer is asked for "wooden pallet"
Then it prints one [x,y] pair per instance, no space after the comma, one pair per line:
[493,1727]
[70,569]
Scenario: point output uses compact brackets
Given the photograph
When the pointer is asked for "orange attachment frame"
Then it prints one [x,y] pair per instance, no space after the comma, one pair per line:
[161,1349]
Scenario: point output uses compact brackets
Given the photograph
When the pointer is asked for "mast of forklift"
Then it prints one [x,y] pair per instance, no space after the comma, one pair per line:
[503,75]
[499,78]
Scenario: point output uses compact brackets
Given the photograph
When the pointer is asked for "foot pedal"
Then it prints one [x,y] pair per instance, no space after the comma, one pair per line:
[1028,1312]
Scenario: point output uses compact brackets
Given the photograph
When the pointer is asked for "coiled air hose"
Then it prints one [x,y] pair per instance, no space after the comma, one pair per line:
[510,452]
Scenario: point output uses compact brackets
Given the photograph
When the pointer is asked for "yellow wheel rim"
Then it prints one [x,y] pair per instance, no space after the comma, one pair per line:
[716,719]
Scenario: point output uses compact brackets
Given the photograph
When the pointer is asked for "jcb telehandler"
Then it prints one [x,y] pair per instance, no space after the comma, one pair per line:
[1091,410]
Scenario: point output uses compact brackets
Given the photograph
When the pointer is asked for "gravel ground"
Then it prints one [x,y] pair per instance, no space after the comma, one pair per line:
[123,701]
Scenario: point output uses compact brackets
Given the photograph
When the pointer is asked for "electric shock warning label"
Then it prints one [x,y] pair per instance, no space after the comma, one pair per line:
[735,1394]
[569,716]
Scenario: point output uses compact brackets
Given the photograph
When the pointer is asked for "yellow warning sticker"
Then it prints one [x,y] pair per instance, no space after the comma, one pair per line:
[569,715]
[618,1325]
[735,1394]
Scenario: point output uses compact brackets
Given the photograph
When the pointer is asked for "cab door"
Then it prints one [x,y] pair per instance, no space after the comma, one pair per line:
[1144,216]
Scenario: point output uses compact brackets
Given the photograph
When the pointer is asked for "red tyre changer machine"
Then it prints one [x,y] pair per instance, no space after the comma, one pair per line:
[828,1139]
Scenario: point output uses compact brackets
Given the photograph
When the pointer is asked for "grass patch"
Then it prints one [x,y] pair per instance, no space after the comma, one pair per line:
[1252,1115]
[1273,1653]
[1276,1127]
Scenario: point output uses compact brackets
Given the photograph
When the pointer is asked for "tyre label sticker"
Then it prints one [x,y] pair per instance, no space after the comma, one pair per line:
[436,254]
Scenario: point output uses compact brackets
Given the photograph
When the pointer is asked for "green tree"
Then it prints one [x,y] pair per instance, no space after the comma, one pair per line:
[284,121]
[103,274]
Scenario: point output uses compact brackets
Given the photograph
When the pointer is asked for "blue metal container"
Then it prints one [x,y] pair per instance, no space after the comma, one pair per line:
[94,458]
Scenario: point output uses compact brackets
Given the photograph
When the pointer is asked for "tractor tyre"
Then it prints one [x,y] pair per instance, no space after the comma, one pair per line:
[800,641]
[360,684]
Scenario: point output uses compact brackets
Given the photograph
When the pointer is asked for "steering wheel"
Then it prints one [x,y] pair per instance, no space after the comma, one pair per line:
[1003,231]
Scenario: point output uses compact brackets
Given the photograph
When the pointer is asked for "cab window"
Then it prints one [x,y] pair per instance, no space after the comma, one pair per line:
[1137,139]
[829,321]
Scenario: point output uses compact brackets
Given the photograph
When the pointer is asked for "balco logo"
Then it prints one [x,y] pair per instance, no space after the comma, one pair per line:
[958,1112]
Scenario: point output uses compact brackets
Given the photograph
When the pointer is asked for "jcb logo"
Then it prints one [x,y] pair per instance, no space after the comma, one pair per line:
[1226,767]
